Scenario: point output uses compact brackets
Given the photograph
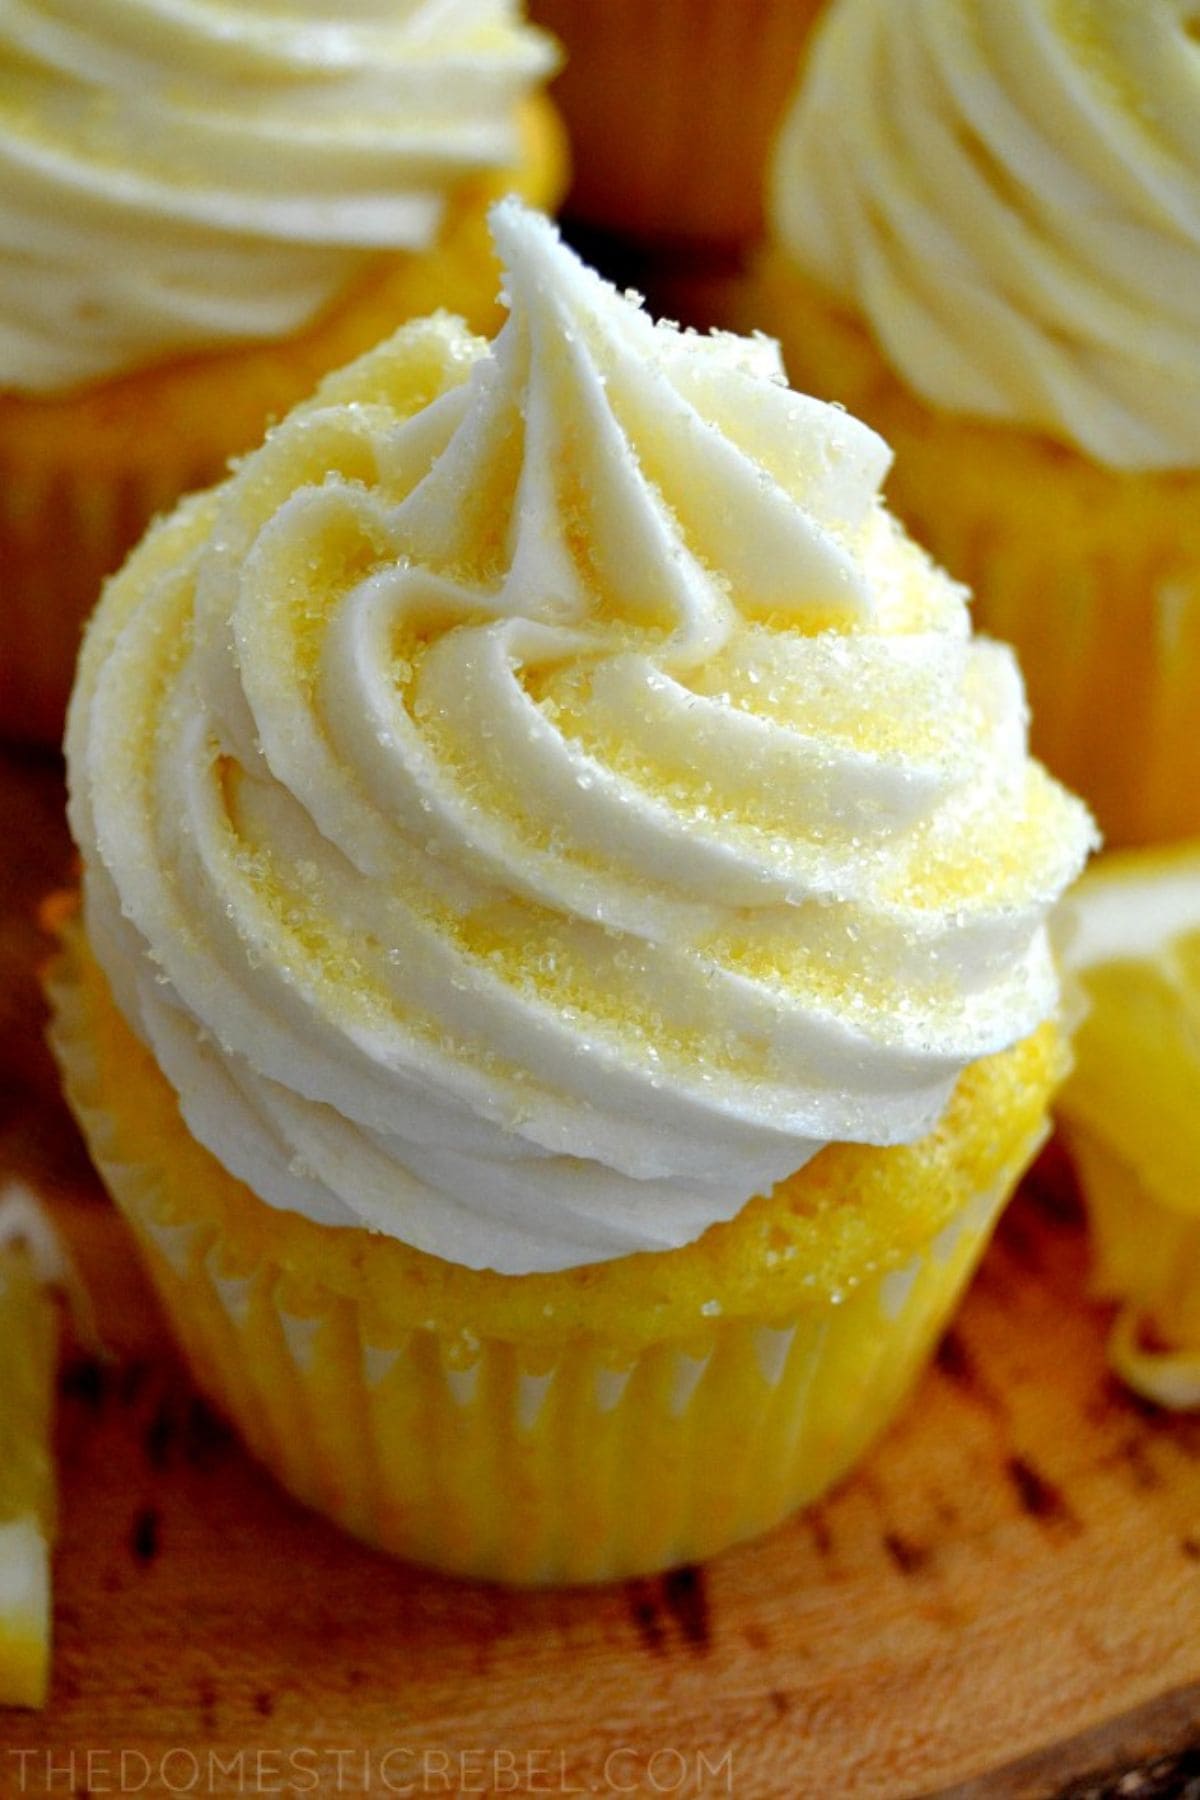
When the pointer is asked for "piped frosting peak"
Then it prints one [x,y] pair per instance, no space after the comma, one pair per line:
[543,797]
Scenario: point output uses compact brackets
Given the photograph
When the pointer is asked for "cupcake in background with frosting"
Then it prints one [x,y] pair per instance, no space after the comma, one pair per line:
[203,210]
[562,987]
[986,242]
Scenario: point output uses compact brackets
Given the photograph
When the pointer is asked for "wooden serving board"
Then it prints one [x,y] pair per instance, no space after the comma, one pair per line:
[1004,1601]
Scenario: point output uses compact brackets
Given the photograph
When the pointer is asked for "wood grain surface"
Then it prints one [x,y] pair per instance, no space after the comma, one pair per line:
[1005,1601]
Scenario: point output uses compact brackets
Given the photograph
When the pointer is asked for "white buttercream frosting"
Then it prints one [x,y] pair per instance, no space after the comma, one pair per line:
[177,174]
[543,796]
[1008,191]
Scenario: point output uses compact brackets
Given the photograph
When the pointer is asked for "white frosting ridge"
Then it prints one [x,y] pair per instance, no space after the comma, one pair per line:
[178,174]
[542,796]
[1008,191]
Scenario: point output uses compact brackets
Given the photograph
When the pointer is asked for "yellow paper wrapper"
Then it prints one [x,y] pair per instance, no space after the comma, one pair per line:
[579,1427]
[82,476]
[672,106]
[1093,574]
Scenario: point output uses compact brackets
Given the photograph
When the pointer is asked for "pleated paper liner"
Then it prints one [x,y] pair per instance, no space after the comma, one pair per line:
[515,1437]
[672,106]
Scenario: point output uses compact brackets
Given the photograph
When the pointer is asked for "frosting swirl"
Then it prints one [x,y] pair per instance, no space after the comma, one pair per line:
[1009,192]
[542,796]
[177,174]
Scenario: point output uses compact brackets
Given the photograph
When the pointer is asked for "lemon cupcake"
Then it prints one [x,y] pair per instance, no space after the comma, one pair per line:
[202,210]
[671,108]
[562,988]
[987,243]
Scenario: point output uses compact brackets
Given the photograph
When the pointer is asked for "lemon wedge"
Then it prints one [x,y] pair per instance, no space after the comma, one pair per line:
[1130,1112]
[28,1354]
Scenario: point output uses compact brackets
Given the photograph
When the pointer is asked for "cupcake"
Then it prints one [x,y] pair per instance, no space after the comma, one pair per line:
[987,243]
[202,211]
[562,987]
[671,108]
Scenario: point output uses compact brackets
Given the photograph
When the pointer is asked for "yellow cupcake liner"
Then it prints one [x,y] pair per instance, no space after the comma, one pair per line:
[1092,574]
[62,531]
[672,108]
[498,1437]
[82,476]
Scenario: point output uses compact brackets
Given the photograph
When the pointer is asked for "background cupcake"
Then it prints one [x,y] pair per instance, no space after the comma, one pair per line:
[672,106]
[201,211]
[987,243]
[563,989]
